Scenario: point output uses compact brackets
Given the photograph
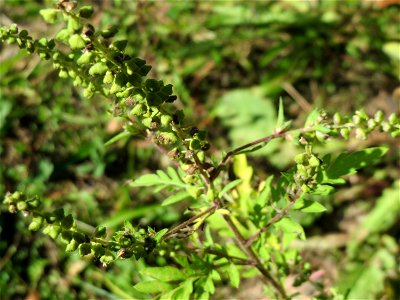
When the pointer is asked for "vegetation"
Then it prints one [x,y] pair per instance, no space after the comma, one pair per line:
[196,150]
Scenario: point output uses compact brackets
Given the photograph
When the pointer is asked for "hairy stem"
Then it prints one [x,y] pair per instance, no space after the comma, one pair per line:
[275,219]
[177,228]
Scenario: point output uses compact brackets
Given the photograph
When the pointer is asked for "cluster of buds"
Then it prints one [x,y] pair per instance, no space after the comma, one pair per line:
[122,244]
[307,167]
[362,124]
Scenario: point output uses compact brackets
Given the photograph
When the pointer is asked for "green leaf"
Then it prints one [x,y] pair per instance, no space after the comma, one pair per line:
[349,163]
[117,137]
[163,180]
[312,207]
[281,118]
[99,68]
[386,212]
[160,234]
[154,286]
[229,186]
[287,225]
[49,14]
[322,189]
[234,275]
[165,274]
[175,198]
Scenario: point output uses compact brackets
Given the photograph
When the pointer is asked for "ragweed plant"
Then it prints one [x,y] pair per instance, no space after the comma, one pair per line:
[260,220]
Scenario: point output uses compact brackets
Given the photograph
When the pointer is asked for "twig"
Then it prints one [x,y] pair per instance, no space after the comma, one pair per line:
[257,263]
[275,219]
[301,101]
[233,152]
[187,222]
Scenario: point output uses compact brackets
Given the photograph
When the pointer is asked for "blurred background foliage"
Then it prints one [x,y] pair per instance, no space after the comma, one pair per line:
[229,62]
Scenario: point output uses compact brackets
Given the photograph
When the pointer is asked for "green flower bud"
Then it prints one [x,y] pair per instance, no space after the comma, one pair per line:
[356,119]
[84,249]
[11,40]
[301,158]
[86,58]
[53,231]
[345,133]
[99,68]
[167,138]
[34,202]
[385,126]
[109,32]
[88,93]
[100,232]
[120,81]
[195,144]
[12,208]
[76,42]
[36,223]
[302,171]
[59,214]
[371,124]
[63,35]
[108,78]
[361,134]
[166,120]
[98,249]
[314,161]
[79,237]
[305,188]
[362,114]
[201,155]
[379,116]
[85,11]
[393,119]
[17,196]
[210,195]
[22,205]
[147,122]
[67,222]
[66,236]
[72,246]
[74,25]
[107,258]
[337,119]
[139,110]
[190,179]
[13,28]
[119,45]
[49,14]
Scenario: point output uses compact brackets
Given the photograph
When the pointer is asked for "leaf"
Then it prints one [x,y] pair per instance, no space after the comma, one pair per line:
[234,275]
[160,234]
[166,273]
[49,14]
[322,189]
[312,207]
[386,212]
[281,118]
[349,163]
[175,198]
[117,137]
[287,225]
[229,187]
[153,286]
[161,179]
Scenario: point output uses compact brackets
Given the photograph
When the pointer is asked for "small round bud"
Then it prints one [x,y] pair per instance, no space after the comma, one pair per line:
[361,134]
[379,116]
[314,161]
[85,249]
[356,119]
[345,133]
[22,205]
[301,158]
[337,119]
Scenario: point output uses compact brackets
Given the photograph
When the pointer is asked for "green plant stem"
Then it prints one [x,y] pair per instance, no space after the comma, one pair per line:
[235,151]
[176,229]
[275,219]
[257,263]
